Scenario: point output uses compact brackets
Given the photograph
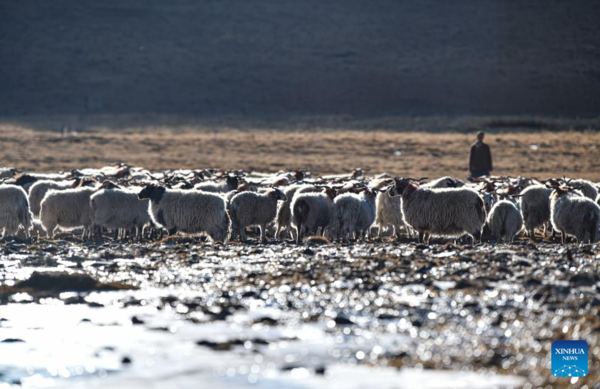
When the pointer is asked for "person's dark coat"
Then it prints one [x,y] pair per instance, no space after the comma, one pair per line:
[480,157]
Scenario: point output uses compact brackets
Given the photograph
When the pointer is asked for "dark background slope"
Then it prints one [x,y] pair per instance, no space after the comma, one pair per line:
[282,57]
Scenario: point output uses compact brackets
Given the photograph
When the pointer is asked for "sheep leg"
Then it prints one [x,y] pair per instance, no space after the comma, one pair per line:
[263,233]
[49,231]
[421,237]
[299,233]
[278,231]
[562,237]
[293,233]
[97,233]
[242,234]
[172,231]
[398,233]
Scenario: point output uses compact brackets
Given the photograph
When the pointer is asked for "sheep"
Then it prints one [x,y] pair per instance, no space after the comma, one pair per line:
[353,214]
[443,182]
[505,221]
[284,212]
[67,209]
[230,184]
[27,180]
[14,211]
[388,209]
[574,214]
[188,211]
[586,187]
[7,172]
[251,209]
[119,209]
[311,211]
[389,214]
[39,189]
[535,208]
[440,211]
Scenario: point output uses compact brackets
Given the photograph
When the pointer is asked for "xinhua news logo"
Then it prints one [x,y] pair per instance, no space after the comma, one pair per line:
[569,358]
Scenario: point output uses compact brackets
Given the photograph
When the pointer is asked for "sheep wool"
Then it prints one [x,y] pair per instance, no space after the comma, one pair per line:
[14,210]
[188,212]
[120,209]
[67,209]
[535,207]
[505,221]
[255,209]
[575,215]
[39,190]
[449,212]
[284,211]
[311,211]
[352,215]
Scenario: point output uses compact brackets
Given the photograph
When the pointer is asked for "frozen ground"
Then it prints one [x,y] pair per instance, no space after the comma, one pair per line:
[270,316]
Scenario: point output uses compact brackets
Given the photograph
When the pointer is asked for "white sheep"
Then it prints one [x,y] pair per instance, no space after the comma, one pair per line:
[388,209]
[389,215]
[14,210]
[353,214]
[574,214]
[505,221]
[120,209]
[450,212]
[38,190]
[535,208]
[231,183]
[255,209]
[442,182]
[283,219]
[311,211]
[67,209]
[188,211]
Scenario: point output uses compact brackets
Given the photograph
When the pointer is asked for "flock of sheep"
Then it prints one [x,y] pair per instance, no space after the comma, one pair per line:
[136,203]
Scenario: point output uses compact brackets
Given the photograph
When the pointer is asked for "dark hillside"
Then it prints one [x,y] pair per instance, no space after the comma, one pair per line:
[283,57]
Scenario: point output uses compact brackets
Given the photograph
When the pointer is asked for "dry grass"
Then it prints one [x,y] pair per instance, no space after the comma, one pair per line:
[574,154]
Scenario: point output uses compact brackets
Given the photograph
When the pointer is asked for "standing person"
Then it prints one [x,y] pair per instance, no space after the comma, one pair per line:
[480,157]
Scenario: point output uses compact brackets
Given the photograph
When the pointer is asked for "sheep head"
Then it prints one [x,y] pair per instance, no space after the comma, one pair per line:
[152,192]
[277,194]
[108,185]
[404,186]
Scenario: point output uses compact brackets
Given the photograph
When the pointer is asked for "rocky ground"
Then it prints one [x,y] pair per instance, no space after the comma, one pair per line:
[181,311]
